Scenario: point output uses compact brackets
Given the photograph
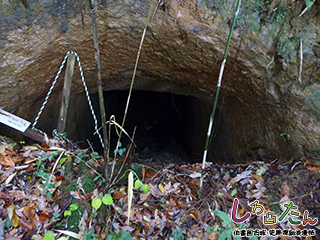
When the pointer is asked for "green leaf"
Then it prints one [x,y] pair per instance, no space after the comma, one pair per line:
[73,207]
[54,217]
[62,160]
[145,188]
[226,234]
[48,236]
[53,155]
[82,155]
[209,230]
[67,213]
[97,177]
[107,199]
[224,217]
[7,223]
[96,203]
[220,194]
[50,185]
[123,235]
[137,184]
[234,192]
[95,213]
[308,3]
[90,235]
[121,151]
[96,155]
[48,193]
[42,174]
[146,219]
[112,236]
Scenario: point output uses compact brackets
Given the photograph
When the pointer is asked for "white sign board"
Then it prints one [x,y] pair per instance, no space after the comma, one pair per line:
[13,121]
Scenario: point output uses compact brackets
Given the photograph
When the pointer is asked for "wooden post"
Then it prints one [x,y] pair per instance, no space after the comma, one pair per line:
[30,133]
[66,94]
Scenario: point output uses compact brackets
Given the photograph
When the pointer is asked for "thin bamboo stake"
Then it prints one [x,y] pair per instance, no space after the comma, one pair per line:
[217,93]
[301,61]
[66,93]
[131,85]
[100,90]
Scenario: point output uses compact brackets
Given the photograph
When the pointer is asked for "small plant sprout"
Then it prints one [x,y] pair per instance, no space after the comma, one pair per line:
[284,136]
[178,234]
[96,203]
[72,208]
[120,150]
[123,235]
[107,199]
[48,236]
[144,187]
[47,185]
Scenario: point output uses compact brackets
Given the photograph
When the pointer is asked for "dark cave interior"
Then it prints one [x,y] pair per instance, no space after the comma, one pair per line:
[167,125]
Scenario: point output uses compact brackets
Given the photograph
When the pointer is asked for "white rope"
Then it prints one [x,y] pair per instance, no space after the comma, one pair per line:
[86,91]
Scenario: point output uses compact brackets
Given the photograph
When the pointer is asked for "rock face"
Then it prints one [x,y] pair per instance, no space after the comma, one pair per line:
[264,111]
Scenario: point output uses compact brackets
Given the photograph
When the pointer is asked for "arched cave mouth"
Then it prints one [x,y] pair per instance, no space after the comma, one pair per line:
[169,127]
[172,128]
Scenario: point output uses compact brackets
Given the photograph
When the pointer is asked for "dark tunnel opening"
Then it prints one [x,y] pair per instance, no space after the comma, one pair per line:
[169,127]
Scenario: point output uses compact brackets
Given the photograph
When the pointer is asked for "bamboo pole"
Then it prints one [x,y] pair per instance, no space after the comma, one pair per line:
[217,93]
[131,85]
[66,94]
[100,90]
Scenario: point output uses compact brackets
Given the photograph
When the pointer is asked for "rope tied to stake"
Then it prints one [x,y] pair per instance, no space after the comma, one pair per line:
[86,91]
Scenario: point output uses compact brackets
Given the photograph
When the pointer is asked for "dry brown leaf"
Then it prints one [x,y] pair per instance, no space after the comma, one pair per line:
[213,236]
[193,185]
[43,218]
[180,204]
[147,225]
[143,172]
[285,190]
[152,175]
[241,212]
[132,213]
[172,203]
[313,168]
[240,176]
[29,212]
[6,161]
[192,214]
[118,195]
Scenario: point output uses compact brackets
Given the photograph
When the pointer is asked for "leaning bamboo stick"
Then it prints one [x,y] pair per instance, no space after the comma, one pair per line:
[217,94]
[131,85]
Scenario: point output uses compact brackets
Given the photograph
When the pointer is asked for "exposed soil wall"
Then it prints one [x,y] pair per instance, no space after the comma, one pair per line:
[264,111]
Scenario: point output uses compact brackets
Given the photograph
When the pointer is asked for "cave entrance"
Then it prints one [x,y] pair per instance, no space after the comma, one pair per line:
[170,128]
